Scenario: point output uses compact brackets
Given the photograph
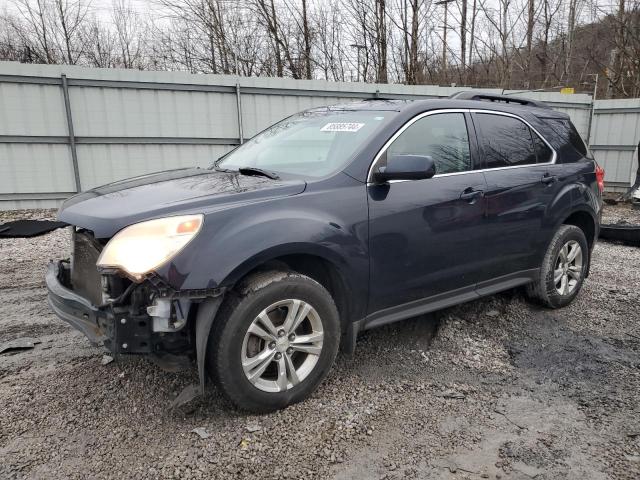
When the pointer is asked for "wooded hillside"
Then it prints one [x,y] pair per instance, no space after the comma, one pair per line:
[512,44]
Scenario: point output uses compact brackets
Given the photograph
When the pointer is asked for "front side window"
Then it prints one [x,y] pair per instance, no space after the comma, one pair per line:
[508,142]
[441,136]
[315,143]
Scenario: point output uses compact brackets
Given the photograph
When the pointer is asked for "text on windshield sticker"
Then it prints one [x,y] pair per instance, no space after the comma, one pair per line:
[342,127]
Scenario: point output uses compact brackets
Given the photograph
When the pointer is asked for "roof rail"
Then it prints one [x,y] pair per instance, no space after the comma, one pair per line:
[490,97]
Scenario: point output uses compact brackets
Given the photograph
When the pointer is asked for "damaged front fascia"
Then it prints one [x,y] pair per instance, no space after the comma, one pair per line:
[210,301]
[116,309]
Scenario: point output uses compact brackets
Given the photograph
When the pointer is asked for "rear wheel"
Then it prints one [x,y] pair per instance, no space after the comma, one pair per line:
[563,269]
[274,340]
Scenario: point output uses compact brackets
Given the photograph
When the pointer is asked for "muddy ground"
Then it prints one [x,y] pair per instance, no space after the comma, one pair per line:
[496,388]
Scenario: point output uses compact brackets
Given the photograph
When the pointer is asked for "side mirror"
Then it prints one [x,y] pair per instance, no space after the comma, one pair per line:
[406,167]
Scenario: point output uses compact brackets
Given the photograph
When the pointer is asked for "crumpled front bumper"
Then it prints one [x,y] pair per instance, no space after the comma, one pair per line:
[123,336]
[75,309]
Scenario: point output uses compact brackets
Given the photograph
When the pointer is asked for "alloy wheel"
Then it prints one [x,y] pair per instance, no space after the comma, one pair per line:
[568,268]
[282,345]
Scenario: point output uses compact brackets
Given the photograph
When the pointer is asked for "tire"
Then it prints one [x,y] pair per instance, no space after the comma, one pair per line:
[550,291]
[233,349]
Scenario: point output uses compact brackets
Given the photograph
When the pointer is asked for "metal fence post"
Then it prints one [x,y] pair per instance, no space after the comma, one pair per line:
[72,136]
[239,105]
[593,108]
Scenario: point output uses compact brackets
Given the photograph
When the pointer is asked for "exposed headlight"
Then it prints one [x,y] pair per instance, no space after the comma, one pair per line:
[143,247]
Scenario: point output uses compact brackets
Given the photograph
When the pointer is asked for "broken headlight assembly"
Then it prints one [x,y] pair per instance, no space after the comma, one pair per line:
[142,247]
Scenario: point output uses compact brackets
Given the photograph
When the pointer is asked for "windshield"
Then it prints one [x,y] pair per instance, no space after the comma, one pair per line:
[313,144]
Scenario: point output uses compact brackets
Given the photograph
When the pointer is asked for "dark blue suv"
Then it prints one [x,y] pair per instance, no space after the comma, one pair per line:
[333,221]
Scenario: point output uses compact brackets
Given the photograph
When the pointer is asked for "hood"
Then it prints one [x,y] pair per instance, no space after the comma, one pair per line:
[107,209]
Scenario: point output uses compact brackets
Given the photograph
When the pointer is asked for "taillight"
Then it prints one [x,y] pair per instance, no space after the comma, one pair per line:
[600,178]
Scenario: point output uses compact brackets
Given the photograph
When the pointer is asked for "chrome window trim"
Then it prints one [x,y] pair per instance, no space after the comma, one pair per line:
[460,110]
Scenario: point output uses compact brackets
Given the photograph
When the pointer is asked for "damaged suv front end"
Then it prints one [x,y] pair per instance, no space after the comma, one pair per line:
[123,304]
[144,275]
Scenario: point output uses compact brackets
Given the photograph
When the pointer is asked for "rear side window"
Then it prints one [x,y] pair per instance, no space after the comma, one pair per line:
[442,136]
[509,142]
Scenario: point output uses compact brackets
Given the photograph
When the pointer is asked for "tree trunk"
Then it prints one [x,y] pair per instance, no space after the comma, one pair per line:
[530,25]
[413,49]
[273,25]
[570,33]
[45,40]
[474,14]
[382,42]
[463,42]
[307,40]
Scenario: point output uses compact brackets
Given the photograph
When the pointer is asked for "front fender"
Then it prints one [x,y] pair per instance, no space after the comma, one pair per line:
[302,248]
[217,258]
[328,221]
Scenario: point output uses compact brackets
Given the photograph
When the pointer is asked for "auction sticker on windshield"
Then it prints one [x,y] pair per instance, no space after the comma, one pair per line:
[342,127]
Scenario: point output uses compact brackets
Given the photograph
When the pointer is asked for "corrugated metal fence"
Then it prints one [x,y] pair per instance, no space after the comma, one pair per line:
[64,128]
[615,133]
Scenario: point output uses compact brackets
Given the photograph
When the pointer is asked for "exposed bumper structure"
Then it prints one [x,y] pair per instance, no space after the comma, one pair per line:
[132,332]
[75,309]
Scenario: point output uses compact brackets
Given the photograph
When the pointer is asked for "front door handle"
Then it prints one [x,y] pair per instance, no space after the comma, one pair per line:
[549,179]
[470,195]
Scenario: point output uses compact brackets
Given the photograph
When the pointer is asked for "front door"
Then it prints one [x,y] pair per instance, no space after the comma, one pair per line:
[424,234]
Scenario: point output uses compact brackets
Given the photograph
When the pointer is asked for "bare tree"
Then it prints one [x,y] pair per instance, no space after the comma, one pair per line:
[32,26]
[67,26]
[534,44]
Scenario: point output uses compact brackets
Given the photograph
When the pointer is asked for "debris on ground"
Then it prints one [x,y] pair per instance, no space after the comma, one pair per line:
[106,360]
[201,432]
[451,394]
[18,344]
[253,427]
[188,394]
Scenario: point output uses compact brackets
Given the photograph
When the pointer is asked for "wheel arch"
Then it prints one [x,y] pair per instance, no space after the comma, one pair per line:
[586,222]
[320,264]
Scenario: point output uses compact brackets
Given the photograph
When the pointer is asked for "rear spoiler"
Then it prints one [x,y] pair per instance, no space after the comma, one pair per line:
[490,97]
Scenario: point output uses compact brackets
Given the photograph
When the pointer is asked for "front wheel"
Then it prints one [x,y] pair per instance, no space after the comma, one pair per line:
[563,269]
[274,340]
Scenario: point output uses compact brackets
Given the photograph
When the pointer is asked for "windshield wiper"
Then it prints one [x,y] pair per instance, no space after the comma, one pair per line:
[258,171]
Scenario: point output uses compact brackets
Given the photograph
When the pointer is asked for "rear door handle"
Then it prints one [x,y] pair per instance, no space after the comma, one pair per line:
[548,179]
[470,195]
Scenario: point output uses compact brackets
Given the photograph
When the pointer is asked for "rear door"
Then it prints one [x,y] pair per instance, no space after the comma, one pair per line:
[522,180]
[424,234]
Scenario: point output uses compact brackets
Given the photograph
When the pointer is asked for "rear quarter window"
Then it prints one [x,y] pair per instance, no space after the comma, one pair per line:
[567,136]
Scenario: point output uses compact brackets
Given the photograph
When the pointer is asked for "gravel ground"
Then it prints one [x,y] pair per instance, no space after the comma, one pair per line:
[621,213]
[496,388]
